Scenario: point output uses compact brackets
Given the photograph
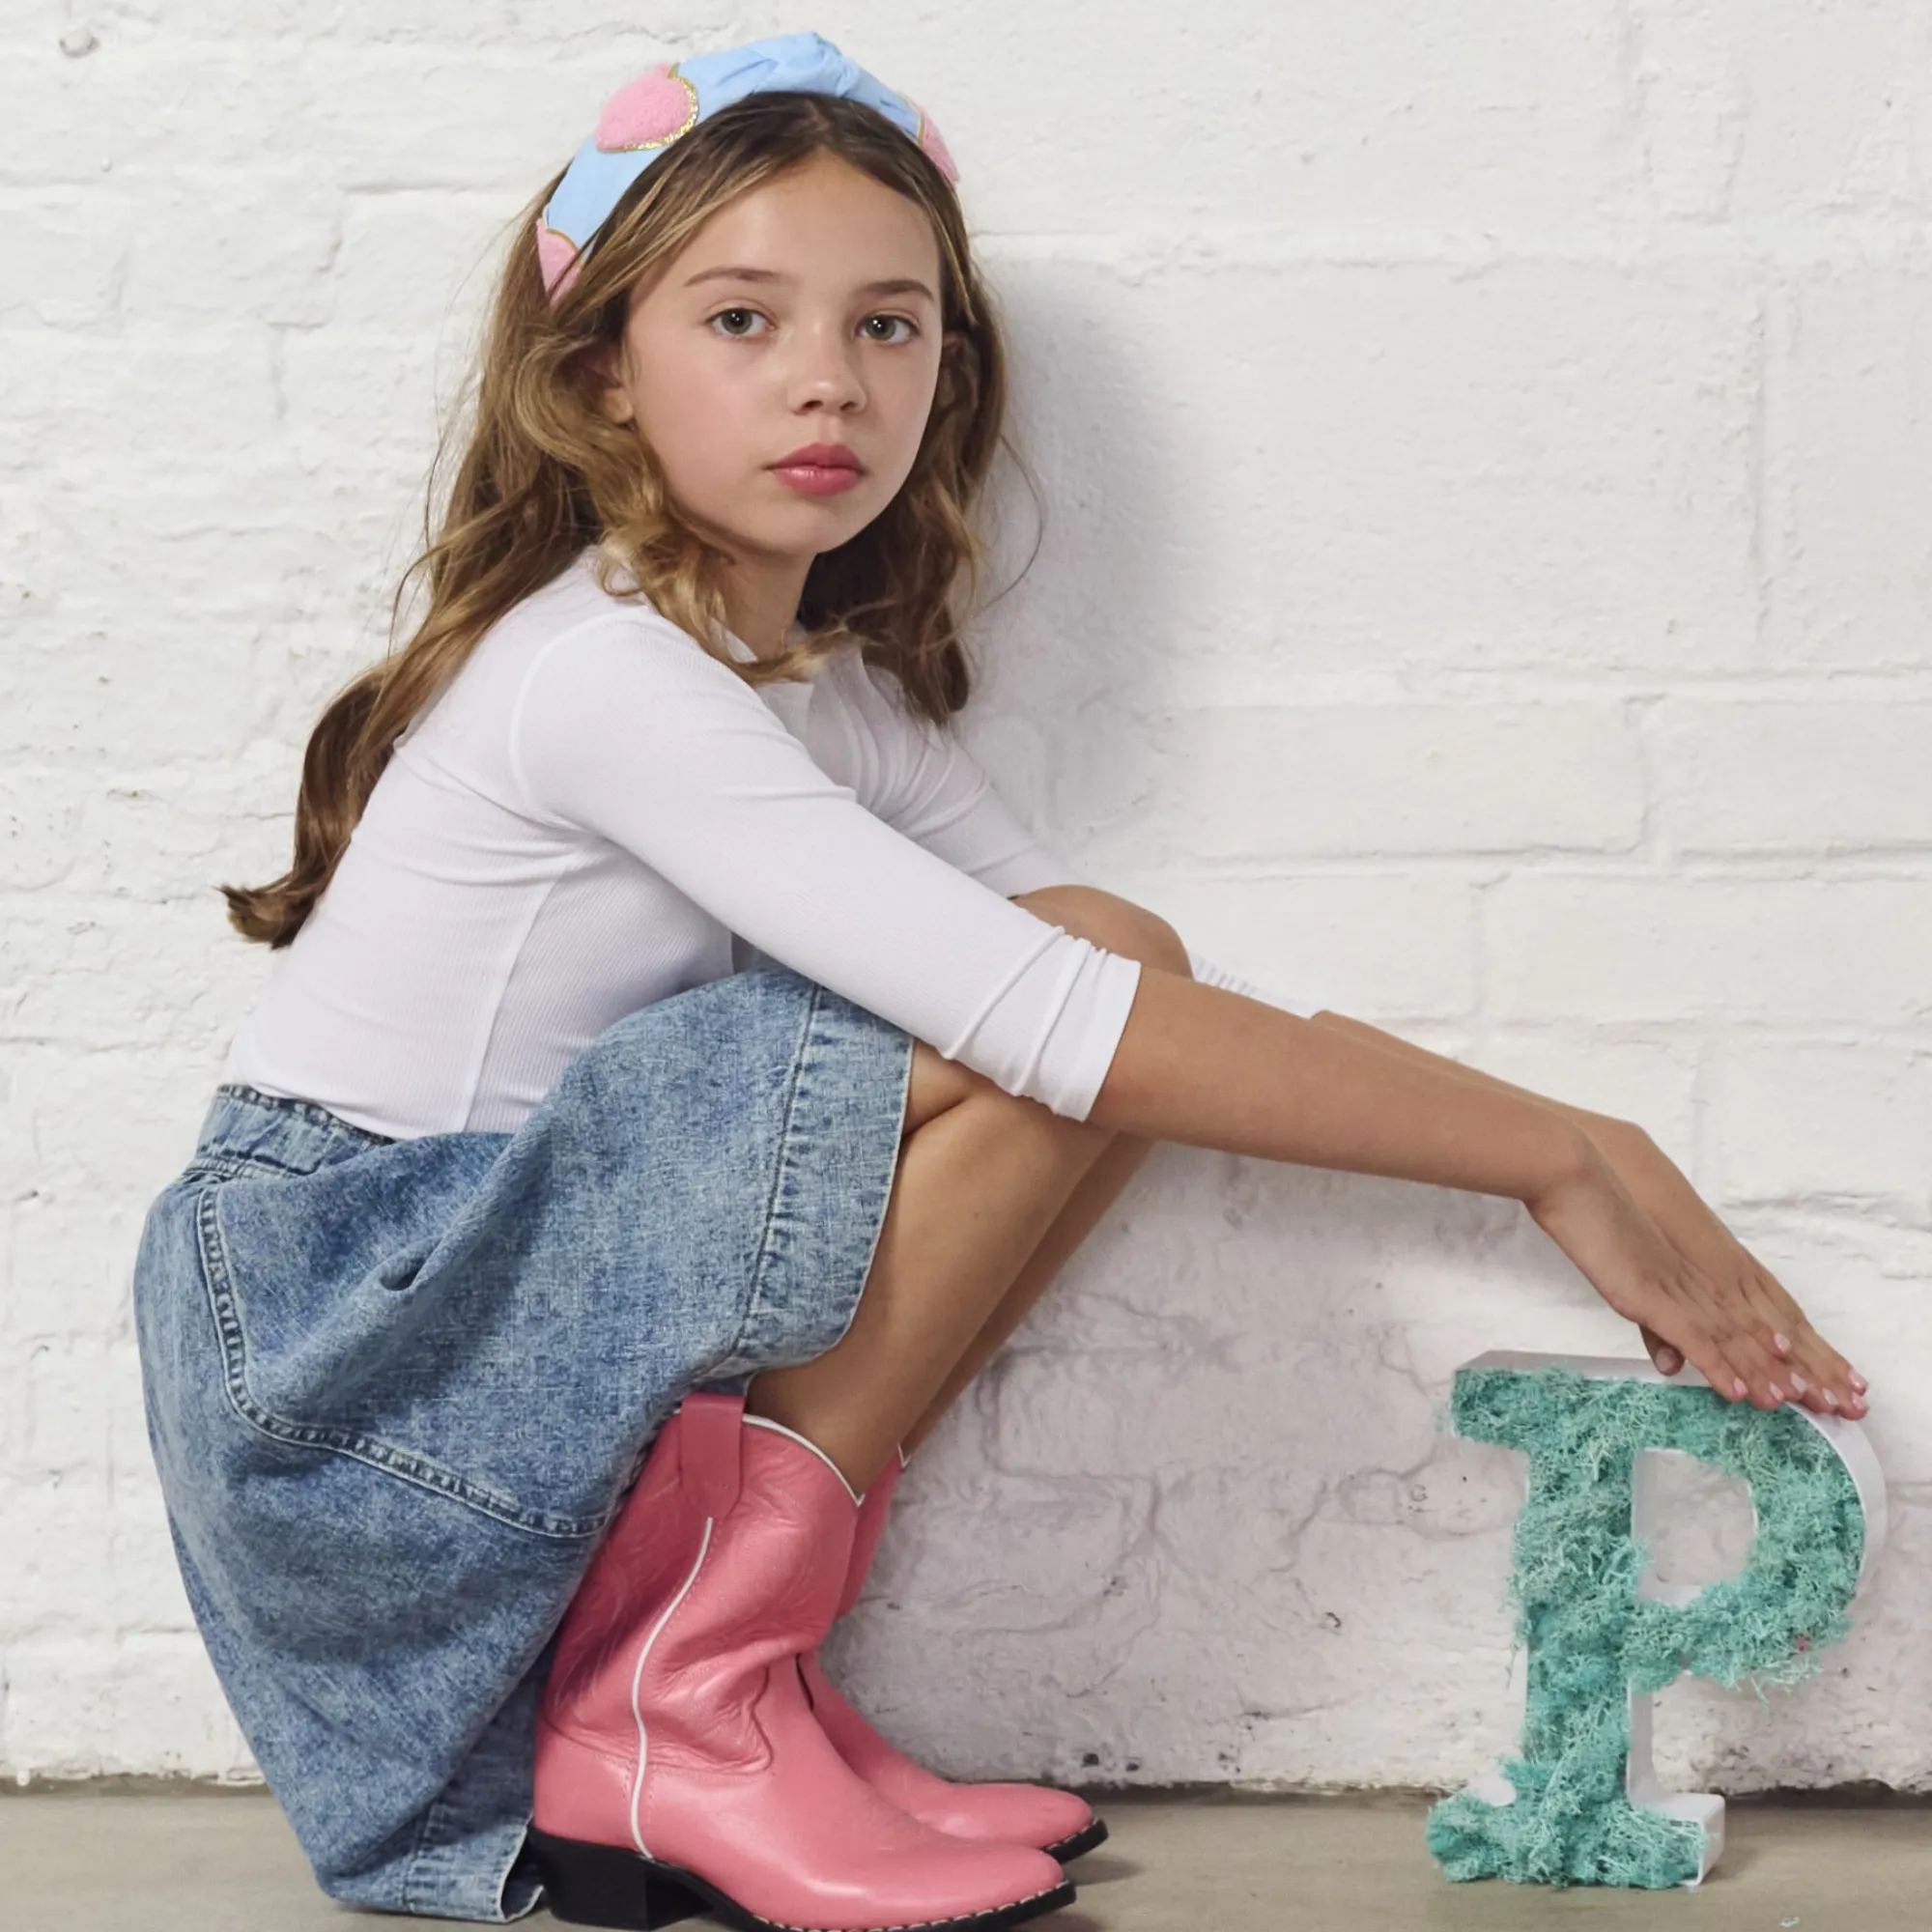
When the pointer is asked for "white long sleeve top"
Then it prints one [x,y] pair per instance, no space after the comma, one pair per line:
[594,814]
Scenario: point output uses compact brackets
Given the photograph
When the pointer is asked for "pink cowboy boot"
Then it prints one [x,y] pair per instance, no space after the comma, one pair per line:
[1058,1822]
[678,1767]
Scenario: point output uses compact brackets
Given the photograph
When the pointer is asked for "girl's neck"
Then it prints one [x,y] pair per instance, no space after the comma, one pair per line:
[761,604]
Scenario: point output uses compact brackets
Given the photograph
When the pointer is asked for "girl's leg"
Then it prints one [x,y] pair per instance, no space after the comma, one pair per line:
[977,1188]
[991,1195]
[1093,1195]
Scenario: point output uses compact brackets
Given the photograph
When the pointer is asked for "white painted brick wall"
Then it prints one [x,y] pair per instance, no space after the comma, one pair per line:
[1487,585]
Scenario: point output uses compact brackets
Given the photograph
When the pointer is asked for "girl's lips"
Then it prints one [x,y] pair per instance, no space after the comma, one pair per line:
[817,479]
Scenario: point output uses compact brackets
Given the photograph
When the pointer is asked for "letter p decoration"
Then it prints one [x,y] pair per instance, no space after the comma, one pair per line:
[1581,1804]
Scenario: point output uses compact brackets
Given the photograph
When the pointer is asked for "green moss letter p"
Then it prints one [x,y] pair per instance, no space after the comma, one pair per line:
[1581,1804]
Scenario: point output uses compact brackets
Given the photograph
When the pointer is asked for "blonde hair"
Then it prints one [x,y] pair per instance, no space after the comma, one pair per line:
[546,473]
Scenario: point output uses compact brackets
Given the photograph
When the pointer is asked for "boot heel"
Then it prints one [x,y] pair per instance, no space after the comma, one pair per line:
[605,1885]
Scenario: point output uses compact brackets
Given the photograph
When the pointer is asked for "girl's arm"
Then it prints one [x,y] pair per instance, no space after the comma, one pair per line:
[1214,1068]
[1319,1100]
[936,793]
[1658,1186]
[624,728]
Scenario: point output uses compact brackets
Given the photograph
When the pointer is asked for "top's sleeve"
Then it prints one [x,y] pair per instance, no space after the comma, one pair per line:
[627,728]
[932,789]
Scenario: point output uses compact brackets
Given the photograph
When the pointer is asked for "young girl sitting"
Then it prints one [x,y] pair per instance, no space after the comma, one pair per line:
[684,1073]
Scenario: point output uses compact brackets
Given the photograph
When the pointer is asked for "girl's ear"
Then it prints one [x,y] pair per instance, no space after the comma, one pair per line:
[953,352]
[600,366]
[612,395]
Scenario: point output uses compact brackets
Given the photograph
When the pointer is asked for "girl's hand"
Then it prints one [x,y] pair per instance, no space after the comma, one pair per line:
[1655,1253]
[1718,1319]
[1812,1372]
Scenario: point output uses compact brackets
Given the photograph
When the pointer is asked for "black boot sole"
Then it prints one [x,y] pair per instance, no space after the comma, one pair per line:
[1082,1841]
[607,1884]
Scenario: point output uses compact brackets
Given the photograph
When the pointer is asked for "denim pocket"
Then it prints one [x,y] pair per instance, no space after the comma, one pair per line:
[309,1281]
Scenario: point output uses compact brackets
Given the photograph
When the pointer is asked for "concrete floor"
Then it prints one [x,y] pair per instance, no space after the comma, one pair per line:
[85,1862]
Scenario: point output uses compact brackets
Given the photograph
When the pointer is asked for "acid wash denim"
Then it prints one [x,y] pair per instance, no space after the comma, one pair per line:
[397,1389]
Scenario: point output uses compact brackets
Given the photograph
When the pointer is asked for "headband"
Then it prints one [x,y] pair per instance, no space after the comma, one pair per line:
[665,102]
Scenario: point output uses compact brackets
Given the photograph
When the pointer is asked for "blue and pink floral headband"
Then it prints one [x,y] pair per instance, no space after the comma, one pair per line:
[662,105]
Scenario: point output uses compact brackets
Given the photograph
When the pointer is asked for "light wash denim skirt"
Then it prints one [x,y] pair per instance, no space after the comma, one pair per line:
[397,1389]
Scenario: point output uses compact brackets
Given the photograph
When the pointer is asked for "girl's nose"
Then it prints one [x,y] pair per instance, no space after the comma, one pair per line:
[826,371]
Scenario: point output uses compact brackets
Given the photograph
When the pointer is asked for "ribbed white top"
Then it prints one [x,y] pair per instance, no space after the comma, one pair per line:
[588,812]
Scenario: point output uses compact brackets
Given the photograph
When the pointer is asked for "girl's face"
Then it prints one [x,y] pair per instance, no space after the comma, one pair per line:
[804,313]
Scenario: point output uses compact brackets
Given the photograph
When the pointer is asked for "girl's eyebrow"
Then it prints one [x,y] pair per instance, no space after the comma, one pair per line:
[737,273]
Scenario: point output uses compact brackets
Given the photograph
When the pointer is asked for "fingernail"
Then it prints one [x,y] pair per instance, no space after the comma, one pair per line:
[1776,1393]
[1859,1383]
[1782,1343]
[1797,1384]
[1738,1386]
[1830,1401]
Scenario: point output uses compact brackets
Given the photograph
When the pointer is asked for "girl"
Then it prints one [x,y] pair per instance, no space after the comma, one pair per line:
[684,1073]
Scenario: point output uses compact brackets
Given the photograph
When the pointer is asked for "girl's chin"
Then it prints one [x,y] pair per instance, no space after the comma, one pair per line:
[799,526]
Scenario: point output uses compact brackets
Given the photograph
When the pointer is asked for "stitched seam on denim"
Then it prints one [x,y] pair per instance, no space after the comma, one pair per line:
[230,1165]
[503,1879]
[440,1860]
[892,1174]
[353,1443]
[412,1898]
[285,1103]
[782,1165]
[427,1860]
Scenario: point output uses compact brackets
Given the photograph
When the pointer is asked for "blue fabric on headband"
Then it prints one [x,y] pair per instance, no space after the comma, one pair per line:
[647,115]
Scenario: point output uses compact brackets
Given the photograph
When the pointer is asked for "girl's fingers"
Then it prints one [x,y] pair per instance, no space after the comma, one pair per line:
[1736,1310]
[1764,1375]
[1831,1371]
[1667,1355]
[1770,1377]
[1830,1383]
[1813,1364]
[1686,1328]
[1716,1367]
[1722,1331]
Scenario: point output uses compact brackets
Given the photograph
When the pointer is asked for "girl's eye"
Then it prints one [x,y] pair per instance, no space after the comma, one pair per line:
[736,324]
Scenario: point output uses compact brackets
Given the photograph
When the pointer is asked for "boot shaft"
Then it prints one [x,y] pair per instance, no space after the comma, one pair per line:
[728,1557]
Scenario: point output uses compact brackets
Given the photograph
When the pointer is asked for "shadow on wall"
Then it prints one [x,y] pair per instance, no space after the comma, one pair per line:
[1079,658]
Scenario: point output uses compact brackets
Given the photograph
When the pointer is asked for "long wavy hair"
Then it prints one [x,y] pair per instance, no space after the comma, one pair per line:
[544,473]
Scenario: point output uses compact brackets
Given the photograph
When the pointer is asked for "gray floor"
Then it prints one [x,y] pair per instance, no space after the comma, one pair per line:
[92,1862]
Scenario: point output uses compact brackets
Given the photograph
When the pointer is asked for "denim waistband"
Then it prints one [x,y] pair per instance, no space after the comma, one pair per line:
[301,1134]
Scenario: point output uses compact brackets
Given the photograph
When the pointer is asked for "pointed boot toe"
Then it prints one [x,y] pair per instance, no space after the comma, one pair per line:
[1056,1822]
[1060,1823]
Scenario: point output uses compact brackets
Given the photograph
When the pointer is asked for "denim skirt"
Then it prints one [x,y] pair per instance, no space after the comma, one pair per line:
[397,1389]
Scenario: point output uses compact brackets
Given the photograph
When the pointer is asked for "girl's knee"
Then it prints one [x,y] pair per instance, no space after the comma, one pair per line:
[1089,912]
[1107,920]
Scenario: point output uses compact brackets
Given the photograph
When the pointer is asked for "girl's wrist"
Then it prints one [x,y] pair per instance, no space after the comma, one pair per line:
[1568,1160]
[1645,1170]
